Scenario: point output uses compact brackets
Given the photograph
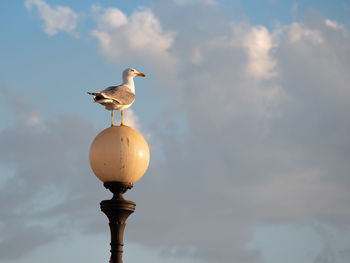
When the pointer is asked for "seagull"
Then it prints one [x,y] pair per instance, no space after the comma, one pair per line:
[119,97]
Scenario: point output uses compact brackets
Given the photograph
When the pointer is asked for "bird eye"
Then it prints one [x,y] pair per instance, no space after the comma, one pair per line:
[132,70]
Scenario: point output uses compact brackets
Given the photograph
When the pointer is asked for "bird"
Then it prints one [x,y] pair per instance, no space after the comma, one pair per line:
[119,97]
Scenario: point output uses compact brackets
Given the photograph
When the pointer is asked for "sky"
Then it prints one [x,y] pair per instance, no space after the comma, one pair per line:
[245,108]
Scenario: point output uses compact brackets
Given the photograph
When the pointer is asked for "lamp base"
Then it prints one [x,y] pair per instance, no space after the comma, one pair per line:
[117,210]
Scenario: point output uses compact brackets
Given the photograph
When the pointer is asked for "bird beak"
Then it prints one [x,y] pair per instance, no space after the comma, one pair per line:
[141,74]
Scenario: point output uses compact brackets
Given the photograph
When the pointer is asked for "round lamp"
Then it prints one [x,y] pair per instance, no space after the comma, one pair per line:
[119,154]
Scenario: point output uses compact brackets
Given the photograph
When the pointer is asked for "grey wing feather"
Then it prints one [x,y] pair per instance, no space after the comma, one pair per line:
[121,94]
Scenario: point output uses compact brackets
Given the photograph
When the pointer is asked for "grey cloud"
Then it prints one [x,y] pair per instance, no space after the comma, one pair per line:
[22,240]
[345,253]
[50,185]
[255,150]
[326,256]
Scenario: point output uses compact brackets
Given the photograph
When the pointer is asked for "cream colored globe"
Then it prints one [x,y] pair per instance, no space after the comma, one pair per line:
[119,154]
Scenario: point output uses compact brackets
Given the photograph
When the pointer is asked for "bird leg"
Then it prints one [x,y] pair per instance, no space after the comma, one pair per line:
[122,113]
[112,115]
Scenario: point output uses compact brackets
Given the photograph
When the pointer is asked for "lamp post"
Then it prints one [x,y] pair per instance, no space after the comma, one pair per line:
[119,156]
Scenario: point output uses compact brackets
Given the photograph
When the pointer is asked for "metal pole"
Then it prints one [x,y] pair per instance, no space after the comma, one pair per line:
[117,210]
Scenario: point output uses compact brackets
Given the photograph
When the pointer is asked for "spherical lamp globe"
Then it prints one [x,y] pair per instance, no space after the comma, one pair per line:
[119,154]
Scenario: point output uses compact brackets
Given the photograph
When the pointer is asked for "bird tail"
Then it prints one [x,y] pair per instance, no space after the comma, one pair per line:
[92,93]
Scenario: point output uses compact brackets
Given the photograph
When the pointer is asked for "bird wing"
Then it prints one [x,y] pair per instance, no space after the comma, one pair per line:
[121,94]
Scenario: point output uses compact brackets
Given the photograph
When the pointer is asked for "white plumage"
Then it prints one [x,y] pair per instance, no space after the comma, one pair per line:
[119,97]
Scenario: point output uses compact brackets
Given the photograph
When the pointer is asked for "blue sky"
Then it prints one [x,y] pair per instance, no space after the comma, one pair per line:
[245,107]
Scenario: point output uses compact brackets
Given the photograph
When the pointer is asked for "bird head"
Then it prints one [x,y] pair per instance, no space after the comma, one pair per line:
[131,72]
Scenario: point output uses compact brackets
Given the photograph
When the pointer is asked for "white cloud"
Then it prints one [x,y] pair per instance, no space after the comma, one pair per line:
[259,44]
[333,24]
[56,19]
[193,2]
[139,35]
[240,62]
[132,120]
[299,32]
[110,18]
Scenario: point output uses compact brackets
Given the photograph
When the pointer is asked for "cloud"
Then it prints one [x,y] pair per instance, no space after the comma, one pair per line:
[256,43]
[327,256]
[265,142]
[333,24]
[259,44]
[132,120]
[56,19]
[46,164]
[49,189]
[139,35]
[266,138]
[345,254]
[299,32]
[195,2]
[27,238]
[111,18]
[22,111]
